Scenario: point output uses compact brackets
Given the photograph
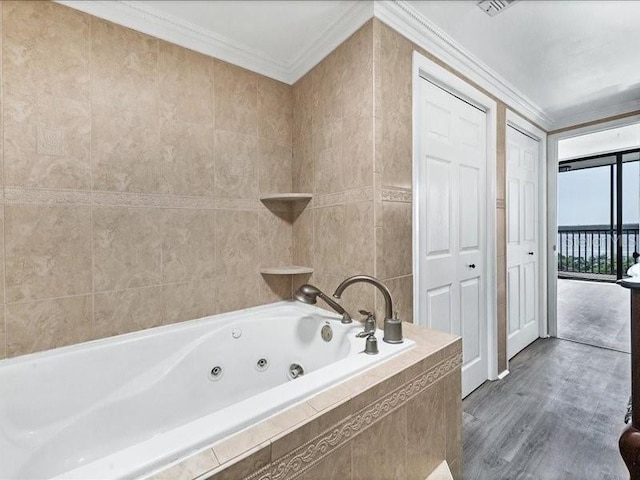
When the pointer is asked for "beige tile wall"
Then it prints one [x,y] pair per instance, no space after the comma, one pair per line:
[131,175]
[333,151]
[392,72]
[132,170]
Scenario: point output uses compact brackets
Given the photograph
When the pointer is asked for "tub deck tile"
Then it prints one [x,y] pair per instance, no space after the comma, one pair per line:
[190,468]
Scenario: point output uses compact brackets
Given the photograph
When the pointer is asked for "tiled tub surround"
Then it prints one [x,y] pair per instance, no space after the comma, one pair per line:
[122,407]
[397,421]
[131,175]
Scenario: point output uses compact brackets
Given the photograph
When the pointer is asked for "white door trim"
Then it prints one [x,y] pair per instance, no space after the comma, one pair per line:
[552,210]
[529,129]
[423,67]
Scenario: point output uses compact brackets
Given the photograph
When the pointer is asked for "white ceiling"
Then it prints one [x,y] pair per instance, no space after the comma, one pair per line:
[279,29]
[568,61]
[569,57]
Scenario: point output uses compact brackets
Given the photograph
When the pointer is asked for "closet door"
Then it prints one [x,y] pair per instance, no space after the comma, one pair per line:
[452,224]
[522,241]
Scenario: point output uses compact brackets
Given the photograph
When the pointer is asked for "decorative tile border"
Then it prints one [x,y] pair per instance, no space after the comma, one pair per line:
[17,195]
[29,196]
[364,194]
[306,456]
[397,194]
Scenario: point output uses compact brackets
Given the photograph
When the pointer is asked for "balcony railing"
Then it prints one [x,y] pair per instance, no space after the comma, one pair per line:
[591,249]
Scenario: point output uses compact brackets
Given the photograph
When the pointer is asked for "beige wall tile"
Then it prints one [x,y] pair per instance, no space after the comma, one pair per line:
[375,451]
[125,148]
[275,110]
[46,141]
[236,165]
[359,239]
[394,156]
[327,159]
[236,235]
[238,292]
[275,167]
[125,144]
[335,466]
[303,168]
[127,311]
[357,152]
[188,244]
[189,300]
[276,288]
[357,72]
[236,99]
[302,92]
[46,101]
[501,278]
[186,84]
[303,245]
[48,251]
[276,238]
[395,257]
[187,165]
[127,247]
[401,289]
[36,326]
[426,432]
[395,64]
[2,260]
[501,231]
[327,85]
[328,240]
[501,312]
[124,67]
[45,50]
[3,337]
[453,412]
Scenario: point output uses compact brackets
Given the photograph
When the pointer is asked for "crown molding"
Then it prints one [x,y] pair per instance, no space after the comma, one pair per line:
[345,24]
[409,22]
[597,114]
[143,18]
[398,14]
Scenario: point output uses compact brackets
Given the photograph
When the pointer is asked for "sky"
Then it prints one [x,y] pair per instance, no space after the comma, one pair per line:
[583,195]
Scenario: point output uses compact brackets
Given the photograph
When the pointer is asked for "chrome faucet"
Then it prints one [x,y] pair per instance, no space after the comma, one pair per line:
[309,294]
[392,326]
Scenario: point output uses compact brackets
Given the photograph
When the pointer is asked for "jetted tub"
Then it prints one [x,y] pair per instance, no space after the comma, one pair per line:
[124,407]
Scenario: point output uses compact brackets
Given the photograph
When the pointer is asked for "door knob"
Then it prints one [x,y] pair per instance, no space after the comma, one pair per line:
[473,265]
[530,253]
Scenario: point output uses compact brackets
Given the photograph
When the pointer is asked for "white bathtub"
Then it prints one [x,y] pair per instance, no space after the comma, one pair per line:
[123,407]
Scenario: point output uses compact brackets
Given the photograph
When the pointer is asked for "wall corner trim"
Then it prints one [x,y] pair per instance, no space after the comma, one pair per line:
[405,19]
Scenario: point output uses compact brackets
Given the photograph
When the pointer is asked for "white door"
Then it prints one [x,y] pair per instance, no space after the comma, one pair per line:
[522,241]
[451,239]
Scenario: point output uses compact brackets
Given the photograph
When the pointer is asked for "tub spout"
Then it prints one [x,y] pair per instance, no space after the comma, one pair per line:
[309,294]
[392,326]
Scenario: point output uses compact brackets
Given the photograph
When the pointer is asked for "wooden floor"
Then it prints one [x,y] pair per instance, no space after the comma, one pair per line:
[556,416]
[594,313]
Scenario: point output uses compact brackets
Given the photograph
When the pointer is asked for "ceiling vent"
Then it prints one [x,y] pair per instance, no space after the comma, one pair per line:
[494,7]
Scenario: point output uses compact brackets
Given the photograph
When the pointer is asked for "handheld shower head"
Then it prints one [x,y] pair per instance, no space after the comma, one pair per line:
[309,294]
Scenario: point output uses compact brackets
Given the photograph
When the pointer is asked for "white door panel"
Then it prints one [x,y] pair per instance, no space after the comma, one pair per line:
[452,224]
[522,241]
